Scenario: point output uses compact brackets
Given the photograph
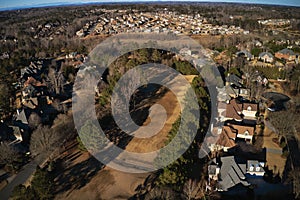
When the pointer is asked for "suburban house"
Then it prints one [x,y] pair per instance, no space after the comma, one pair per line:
[242,132]
[249,110]
[233,92]
[227,172]
[233,79]
[246,54]
[223,140]
[266,57]
[239,111]
[255,167]
[231,171]
[286,54]
[20,121]
[245,93]
[10,133]
[33,70]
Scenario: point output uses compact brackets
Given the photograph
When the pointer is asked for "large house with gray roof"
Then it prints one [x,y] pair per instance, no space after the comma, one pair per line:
[228,172]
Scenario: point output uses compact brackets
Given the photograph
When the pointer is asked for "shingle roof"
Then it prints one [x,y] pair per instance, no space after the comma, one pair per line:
[246,53]
[243,128]
[262,54]
[253,106]
[286,52]
[22,117]
[234,79]
[231,173]
[226,138]
[233,109]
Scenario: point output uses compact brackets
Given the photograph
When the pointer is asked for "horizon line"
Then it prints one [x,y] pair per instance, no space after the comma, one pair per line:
[61,4]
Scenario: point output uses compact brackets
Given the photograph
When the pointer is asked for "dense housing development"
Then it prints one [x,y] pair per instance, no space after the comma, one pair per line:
[246,143]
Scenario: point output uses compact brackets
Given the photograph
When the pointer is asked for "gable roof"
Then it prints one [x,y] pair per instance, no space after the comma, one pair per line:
[246,53]
[234,79]
[226,138]
[241,129]
[21,116]
[262,54]
[233,110]
[286,51]
[253,106]
[231,173]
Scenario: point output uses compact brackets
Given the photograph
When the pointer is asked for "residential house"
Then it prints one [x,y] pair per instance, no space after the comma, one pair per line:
[243,132]
[233,79]
[224,140]
[286,54]
[250,110]
[245,54]
[20,120]
[213,170]
[245,93]
[266,57]
[233,111]
[228,173]
[238,111]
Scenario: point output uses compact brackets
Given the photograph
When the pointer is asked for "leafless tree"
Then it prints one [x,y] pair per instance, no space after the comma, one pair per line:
[34,120]
[43,140]
[8,154]
[57,81]
[284,122]
[64,126]
[191,189]
[194,189]
[294,177]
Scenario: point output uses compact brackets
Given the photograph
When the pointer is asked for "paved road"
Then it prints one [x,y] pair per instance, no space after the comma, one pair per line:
[20,178]
[275,151]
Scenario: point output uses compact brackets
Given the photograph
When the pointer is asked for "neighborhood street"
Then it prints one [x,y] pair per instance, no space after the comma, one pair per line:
[20,178]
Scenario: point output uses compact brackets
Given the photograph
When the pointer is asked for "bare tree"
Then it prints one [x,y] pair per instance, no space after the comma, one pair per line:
[43,140]
[57,80]
[34,120]
[8,154]
[64,126]
[194,189]
[284,122]
[294,177]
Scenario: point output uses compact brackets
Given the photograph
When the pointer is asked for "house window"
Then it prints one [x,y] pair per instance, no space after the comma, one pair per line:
[249,108]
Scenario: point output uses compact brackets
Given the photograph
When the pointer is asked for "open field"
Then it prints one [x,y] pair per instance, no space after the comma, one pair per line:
[108,183]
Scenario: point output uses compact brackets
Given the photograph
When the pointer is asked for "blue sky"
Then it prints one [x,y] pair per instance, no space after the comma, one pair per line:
[4,4]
